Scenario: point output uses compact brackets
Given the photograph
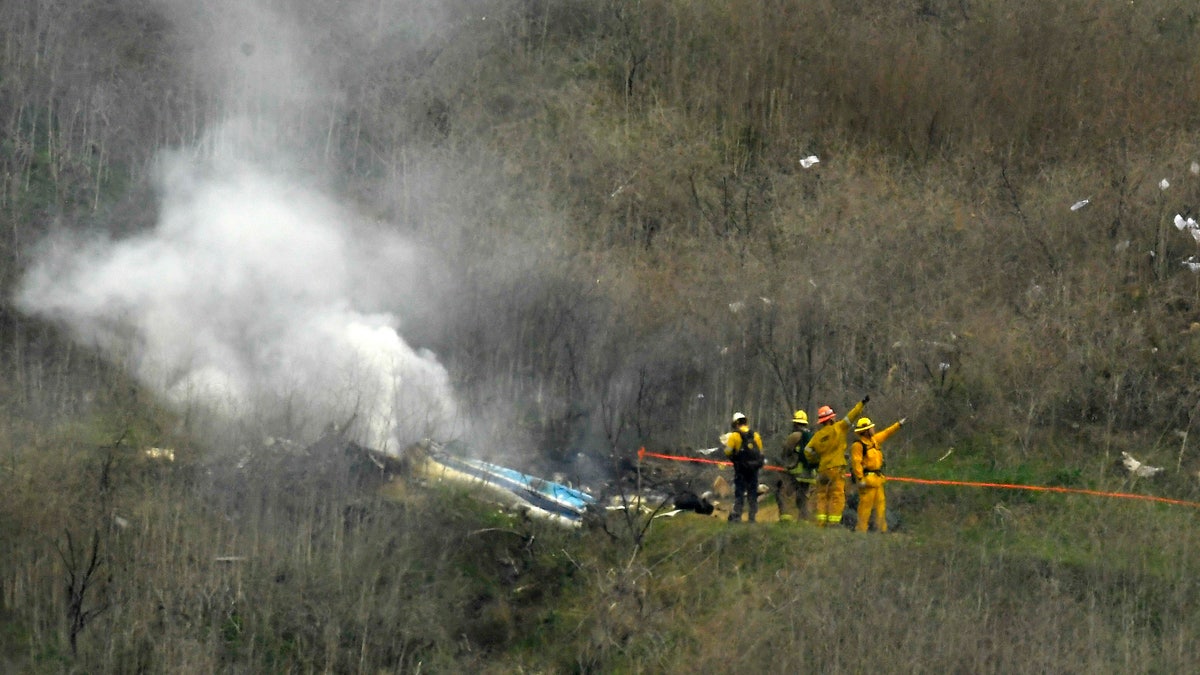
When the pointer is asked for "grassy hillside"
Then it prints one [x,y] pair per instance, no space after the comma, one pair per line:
[623,182]
[303,562]
[617,247]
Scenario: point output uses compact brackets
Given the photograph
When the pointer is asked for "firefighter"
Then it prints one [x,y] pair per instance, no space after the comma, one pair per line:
[866,464]
[744,448]
[792,487]
[828,448]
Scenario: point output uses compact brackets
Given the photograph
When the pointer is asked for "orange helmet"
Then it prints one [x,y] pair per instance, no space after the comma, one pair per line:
[824,414]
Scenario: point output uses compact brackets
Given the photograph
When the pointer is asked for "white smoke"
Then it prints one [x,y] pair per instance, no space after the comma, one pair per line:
[253,296]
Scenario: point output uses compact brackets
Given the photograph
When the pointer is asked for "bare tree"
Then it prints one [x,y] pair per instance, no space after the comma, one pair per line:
[82,567]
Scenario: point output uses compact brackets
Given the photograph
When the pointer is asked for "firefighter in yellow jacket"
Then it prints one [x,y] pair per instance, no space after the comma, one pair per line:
[792,487]
[828,449]
[866,464]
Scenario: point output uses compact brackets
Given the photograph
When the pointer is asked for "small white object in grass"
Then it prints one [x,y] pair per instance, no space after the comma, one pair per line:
[1164,184]
[1080,204]
[1121,246]
[1192,264]
[1137,468]
[1196,168]
[807,162]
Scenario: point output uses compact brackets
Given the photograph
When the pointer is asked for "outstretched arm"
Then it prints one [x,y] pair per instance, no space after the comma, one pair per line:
[856,410]
[881,436]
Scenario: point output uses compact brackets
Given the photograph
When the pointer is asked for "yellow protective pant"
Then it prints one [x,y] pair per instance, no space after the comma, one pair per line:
[871,499]
[831,495]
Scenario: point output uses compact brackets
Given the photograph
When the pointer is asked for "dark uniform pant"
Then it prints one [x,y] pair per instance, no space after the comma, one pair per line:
[745,487]
[791,494]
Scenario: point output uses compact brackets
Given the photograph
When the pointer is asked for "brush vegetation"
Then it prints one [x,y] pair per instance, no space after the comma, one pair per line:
[633,251]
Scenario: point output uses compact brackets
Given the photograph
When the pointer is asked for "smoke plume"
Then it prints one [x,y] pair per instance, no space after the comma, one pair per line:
[251,296]
[256,295]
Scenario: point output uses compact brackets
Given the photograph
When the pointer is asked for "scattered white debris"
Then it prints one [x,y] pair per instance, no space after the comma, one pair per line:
[1188,225]
[809,161]
[736,307]
[1196,168]
[120,522]
[1139,469]
[1192,264]
[943,367]
[707,451]
[766,301]
[1164,184]
[1121,246]
[1081,203]
[948,453]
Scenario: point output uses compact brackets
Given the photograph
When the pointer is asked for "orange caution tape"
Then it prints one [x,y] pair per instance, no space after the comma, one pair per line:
[642,454]
[959,483]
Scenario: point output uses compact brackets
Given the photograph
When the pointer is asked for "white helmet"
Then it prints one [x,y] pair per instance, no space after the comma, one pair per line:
[738,417]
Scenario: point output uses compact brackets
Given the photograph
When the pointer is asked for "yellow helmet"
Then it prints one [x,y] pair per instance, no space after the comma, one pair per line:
[800,417]
[863,424]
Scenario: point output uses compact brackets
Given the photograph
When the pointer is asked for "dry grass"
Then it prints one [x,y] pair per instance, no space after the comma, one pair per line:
[619,179]
[297,566]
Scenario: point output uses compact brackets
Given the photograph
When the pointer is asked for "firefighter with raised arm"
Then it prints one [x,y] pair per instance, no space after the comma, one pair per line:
[828,448]
[791,490]
[866,464]
[743,447]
